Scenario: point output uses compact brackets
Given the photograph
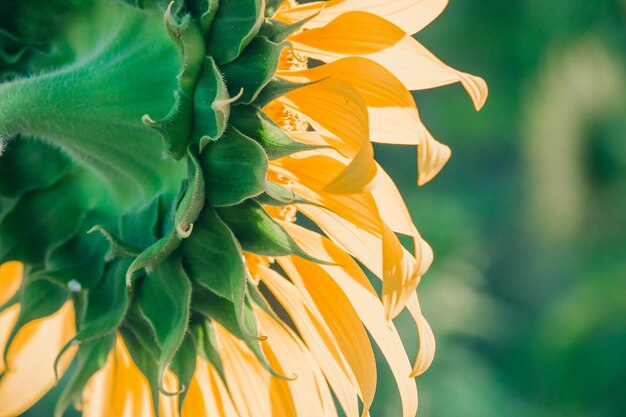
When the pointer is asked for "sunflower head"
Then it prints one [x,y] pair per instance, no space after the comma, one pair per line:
[185,189]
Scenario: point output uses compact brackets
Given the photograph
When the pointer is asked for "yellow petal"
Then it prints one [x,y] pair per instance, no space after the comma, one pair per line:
[254,391]
[342,320]
[291,357]
[207,394]
[119,389]
[370,36]
[366,248]
[427,346]
[317,338]
[311,174]
[391,205]
[31,357]
[410,15]
[338,113]
[393,115]
[10,280]
[364,299]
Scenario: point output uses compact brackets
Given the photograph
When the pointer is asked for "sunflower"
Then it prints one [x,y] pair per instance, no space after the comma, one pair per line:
[186,193]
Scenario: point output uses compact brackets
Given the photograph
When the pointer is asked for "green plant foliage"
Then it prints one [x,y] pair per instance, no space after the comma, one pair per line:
[132,143]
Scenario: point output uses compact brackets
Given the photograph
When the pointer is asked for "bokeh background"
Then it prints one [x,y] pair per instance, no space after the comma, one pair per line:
[527,295]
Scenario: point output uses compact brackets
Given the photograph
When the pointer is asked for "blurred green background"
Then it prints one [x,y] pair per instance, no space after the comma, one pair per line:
[527,295]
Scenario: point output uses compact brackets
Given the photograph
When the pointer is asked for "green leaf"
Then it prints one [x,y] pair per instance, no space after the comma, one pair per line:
[234,26]
[117,248]
[258,233]
[91,357]
[234,167]
[176,127]
[278,196]
[217,308]
[271,6]
[205,339]
[28,165]
[38,299]
[212,257]
[154,255]
[183,366]
[255,124]
[211,105]
[107,303]
[275,88]
[192,202]
[77,263]
[164,300]
[278,31]
[144,352]
[253,69]
[40,221]
[188,38]
[138,226]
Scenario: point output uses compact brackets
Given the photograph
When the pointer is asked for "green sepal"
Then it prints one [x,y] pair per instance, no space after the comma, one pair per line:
[212,257]
[176,127]
[117,248]
[217,308]
[208,13]
[258,233]
[271,6]
[203,333]
[253,69]
[234,167]
[90,358]
[211,105]
[38,299]
[192,202]
[106,304]
[164,299]
[154,255]
[278,196]
[77,263]
[184,366]
[140,225]
[258,299]
[278,31]
[142,347]
[189,40]
[28,164]
[278,87]
[234,26]
[42,220]
[255,124]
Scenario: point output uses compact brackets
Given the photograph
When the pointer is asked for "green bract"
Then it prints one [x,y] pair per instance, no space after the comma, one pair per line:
[133,171]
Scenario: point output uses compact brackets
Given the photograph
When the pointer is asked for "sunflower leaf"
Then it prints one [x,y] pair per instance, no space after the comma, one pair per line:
[234,168]
[91,357]
[255,124]
[203,334]
[164,298]
[192,202]
[258,233]
[233,28]
[253,69]
[219,309]
[107,303]
[211,105]
[183,366]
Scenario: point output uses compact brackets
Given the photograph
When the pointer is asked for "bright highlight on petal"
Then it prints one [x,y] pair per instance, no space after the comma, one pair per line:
[187,195]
